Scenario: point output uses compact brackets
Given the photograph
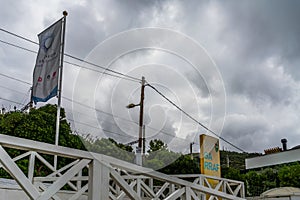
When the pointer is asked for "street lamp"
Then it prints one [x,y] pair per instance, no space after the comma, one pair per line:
[140,141]
[132,105]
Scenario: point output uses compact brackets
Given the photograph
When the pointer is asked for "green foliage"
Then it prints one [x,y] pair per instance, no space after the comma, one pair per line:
[232,173]
[156,145]
[183,165]
[289,175]
[121,146]
[39,125]
[258,182]
[254,183]
[236,159]
[160,158]
[110,147]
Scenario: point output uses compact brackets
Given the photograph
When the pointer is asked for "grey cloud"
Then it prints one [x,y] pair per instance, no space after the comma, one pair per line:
[245,131]
[261,83]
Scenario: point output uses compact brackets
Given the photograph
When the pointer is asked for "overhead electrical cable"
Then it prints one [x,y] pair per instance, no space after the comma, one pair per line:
[192,118]
[11,101]
[101,72]
[15,79]
[119,75]
[18,46]
[7,88]
[124,119]
[114,124]
[77,65]
[93,108]
[66,54]
[19,36]
[91,126]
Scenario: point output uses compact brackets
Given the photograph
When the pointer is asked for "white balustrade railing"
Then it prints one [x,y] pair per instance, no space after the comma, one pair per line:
[97,176]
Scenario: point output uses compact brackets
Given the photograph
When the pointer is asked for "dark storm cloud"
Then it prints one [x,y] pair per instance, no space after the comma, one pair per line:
[95,21]
[239,128]
[261,28]
[262,83]
[255,32]
[11,11]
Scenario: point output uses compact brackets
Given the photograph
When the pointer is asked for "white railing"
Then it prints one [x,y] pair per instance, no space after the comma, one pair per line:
[235,188]
[103,177]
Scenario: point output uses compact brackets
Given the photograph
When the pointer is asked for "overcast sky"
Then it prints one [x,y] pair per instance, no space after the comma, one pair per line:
[232,65]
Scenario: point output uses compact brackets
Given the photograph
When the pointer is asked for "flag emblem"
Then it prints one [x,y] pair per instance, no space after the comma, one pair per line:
[47,42]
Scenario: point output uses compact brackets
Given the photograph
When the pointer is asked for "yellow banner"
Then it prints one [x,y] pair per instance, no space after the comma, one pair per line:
[210,157]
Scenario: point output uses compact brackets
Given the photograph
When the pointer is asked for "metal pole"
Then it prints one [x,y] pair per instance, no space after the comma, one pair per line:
[141,113]
[140,144]
[191,150]
[60,85]
[144,139]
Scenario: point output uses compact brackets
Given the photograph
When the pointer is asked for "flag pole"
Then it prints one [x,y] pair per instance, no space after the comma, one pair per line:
[60,85]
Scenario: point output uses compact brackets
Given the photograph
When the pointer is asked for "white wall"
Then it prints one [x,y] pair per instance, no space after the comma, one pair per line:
[273,159]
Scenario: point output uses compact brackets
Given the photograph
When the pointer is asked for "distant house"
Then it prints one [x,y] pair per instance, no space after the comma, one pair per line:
[274,156]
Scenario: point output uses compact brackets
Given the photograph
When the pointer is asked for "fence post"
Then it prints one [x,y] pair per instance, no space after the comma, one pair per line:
[31,166]
[98,181]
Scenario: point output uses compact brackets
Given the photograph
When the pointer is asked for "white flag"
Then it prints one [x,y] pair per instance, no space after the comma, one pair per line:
[45,75]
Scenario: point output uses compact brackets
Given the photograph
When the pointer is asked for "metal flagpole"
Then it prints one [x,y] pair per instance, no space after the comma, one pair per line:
[60,85]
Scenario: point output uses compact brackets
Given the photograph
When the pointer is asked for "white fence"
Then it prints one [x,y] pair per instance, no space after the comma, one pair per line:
[103,177]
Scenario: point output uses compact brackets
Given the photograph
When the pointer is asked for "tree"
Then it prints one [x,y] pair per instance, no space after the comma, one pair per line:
[156,145]
[159,156]
[121,146]
[39,125]
[184,164]
[110,147]
[254,183]
[232,173]
[289,175]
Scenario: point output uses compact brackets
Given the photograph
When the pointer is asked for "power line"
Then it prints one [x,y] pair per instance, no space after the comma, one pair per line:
[19,36]
[23,93]
[91,126]
[169,134]
[102,72]
[97,110]
[192,118]
[124,119]
[25,97]
[154,129]
[77,102]
[11,101]
[17,46]
[110,70]
[88,116]
[15,79]
[66,99]
[90,107]
[68,55]
[120,75]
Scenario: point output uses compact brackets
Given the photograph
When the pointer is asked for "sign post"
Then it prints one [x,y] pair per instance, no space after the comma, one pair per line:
[210,157]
